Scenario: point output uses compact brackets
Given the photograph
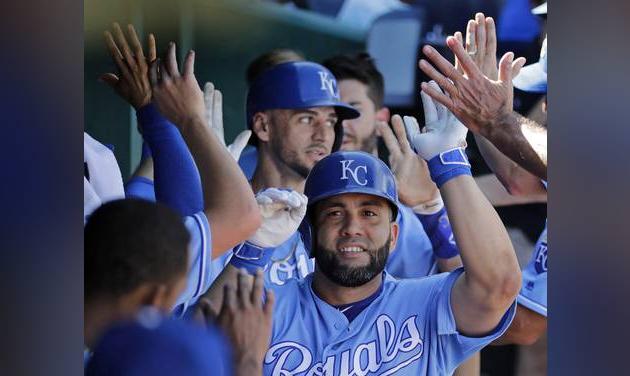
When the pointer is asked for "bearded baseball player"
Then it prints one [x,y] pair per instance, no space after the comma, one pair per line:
[350,317]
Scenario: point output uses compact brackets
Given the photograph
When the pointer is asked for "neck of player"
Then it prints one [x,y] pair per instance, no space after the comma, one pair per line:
[335,294]
[272,173]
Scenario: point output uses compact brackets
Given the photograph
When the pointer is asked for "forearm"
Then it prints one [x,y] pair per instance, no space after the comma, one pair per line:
[229,200]
[522,140]
[492,271]
[176,179]
[497,194]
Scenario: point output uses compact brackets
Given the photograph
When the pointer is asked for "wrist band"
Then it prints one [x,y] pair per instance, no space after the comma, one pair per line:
[447,165]
[250,257]
[438,228]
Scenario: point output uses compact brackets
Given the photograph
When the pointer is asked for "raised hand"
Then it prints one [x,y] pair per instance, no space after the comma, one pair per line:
[481,103]
[414,183]
[443,131]
[177,96]
[214,118]
[282,212]
[132,80]
[481,45]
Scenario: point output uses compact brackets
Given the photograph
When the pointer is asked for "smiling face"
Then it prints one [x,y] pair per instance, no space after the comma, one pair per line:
[299,138]
[354,234]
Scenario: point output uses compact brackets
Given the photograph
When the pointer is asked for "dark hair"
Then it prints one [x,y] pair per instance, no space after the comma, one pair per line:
[268,60]
[131,242]
[359,67]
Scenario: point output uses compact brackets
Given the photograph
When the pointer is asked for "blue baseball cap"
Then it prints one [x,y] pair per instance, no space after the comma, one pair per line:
[533,77]
[157,346]
[298,85]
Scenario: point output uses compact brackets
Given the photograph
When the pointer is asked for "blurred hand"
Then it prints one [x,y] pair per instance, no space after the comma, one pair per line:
[177,96]
[214,118]
[132,80]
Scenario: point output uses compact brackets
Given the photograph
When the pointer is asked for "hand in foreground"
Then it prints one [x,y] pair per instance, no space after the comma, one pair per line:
[443,131]
[214,118]
[245,319]
[414,183]
[132,81]
[282,213]
[177,96]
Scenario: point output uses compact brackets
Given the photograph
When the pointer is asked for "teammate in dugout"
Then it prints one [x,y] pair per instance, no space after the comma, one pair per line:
[350,316]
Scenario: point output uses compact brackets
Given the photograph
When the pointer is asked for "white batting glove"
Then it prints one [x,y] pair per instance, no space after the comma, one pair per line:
[214,118]
[282,213]
[442,130]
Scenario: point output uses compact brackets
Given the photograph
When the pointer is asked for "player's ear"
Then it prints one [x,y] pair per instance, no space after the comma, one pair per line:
[260,126]
[394,230]
[383,114]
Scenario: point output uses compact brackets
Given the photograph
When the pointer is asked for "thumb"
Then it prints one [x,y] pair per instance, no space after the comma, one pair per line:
[505,67]
[110,79]
[236,148]
[517,65]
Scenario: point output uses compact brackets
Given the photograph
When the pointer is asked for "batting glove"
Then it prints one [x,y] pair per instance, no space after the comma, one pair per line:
[282,212]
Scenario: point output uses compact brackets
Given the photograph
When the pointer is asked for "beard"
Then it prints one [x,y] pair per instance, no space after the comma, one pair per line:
[351,276]
[367,144]
[290,159]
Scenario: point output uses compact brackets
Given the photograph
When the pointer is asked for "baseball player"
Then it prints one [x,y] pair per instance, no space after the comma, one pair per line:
[223,194]
[351,317]
[530,321]
[361,85]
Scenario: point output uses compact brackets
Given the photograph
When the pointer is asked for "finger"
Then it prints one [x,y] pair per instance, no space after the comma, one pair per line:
[468,65]
[122,42]
[208,98]
[471,38]
[412,127]
[217,114]
[440,108]
[257,291]
[135,43]
[269,303]
[389,139]
[243,288]
[229,299]
[458,66]
[152,49]
[110,79]
[117,55]
[401,135]
[189,64]
[481,34]
[240,142]
[171,61]
[436,76]
[491,38]
[163,72]
[505,67]
[437,96]
[445,67]
[430,111]
[153,72]
[517,65]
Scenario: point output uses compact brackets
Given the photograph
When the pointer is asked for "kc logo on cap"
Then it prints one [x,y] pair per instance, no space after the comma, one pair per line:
[328,83]
[354,172]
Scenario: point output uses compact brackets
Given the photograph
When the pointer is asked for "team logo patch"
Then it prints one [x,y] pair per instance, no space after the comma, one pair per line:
[541,258]
[346,168]
[328,83]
